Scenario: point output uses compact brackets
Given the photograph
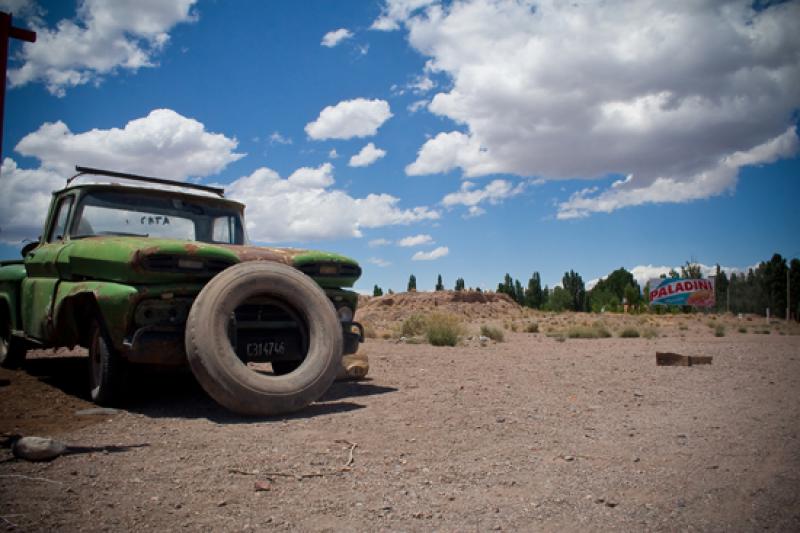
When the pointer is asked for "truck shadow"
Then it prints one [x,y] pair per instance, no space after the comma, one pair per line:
[161,393]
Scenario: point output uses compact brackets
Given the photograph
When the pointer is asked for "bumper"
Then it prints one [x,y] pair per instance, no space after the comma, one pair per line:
[156,345]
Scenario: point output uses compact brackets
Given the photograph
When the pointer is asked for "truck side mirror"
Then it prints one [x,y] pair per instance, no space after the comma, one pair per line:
[28,247]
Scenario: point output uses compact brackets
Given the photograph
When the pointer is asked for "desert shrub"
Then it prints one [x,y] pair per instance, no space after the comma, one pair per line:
[560,338]
[413,326]
[719,331]
[386,335]
[595,331]
[650,333]
[742,329]
[494,333]
[532,327]
[762,331]
[369,331]
[629,333]
[514,327]
[683,327]
[444,329]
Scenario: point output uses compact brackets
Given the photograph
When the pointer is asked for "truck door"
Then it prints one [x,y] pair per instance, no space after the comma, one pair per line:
[38,288]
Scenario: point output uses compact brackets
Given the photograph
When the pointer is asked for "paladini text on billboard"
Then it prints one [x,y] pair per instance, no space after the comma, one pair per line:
[678,291]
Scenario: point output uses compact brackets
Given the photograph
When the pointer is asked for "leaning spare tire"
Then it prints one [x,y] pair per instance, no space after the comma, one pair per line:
[223,374]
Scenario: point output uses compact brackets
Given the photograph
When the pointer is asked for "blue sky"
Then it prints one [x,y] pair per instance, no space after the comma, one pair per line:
[494,136]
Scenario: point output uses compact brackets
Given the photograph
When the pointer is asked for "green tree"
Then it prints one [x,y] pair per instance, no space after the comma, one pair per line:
[519,294]
[632,294]
[412,283]
[533,294]
[459,284]
[603,299]
[377,291]
[773,284]
[794,288]
[507,286]
[691,270]
[545,297]
[573,284]
[560,300]
[439,284]
[721,284]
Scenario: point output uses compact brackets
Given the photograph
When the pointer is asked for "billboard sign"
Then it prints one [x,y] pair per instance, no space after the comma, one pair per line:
[679,291]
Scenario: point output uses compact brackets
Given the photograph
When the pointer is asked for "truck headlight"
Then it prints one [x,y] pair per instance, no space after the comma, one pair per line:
[345,314]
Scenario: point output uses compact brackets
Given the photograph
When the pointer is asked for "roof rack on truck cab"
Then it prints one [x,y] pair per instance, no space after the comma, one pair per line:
[114,174]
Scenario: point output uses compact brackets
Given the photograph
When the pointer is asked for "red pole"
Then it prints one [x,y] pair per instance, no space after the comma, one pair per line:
[7,31]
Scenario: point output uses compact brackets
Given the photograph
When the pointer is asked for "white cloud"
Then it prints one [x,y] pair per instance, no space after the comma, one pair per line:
[277,138]
[350,118]
[333,154]
[332,38]
[368,155]
[666,93]
[475,211]
[432,255]
[714,181]
[396,12]
[494,193]
[379,242]
[421,84]
[304,207]
[163,143]
[448,151]
[415,240]
[25,199]
[103,38]
[379,262]
[413,107]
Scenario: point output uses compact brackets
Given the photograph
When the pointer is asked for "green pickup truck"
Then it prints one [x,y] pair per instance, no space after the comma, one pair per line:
[143,270]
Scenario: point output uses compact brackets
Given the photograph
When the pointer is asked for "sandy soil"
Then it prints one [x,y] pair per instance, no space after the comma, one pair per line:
[528,434]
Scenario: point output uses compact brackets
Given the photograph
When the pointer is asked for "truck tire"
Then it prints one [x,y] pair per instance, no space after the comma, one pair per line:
[107,369]
[12,349]
[225,377]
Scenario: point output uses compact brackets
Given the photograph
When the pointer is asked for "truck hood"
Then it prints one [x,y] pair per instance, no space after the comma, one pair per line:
[149,260]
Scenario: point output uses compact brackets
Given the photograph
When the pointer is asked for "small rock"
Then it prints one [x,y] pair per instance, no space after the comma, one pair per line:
[612,504]
[262,485]
[500,419]
[569,458]
[38,448]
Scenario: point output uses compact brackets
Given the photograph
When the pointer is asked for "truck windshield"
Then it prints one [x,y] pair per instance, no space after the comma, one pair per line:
[149,215]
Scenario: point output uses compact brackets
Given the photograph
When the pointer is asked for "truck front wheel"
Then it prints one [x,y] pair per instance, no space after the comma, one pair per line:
[106,367]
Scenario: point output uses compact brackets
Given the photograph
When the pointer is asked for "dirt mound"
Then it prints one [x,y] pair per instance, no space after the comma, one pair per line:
[471,305]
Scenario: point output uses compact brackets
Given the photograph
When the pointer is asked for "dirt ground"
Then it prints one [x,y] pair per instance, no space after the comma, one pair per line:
[534,433]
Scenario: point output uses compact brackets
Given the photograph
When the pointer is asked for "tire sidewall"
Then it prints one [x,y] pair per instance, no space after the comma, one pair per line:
[220,371]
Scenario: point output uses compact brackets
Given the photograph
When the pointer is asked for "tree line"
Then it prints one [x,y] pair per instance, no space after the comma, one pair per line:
[766,286]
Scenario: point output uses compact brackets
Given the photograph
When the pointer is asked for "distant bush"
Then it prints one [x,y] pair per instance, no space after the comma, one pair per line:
[532,327]
[413,325]
[629,333]
[719,331]
[595,331]
[444,329]
[742,329]
[494,333]
[650,333]
[369,331]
